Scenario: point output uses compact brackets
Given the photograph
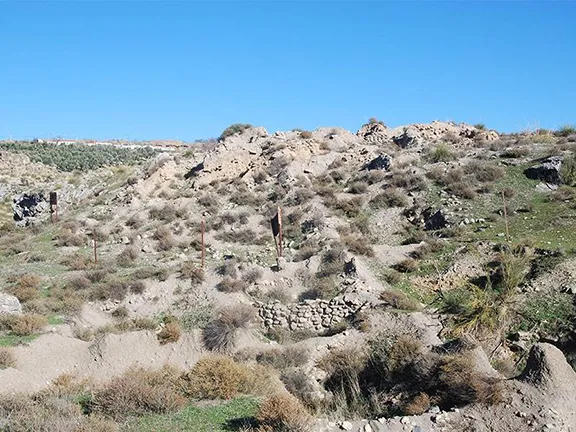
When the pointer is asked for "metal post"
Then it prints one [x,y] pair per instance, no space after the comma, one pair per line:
[280,232]
[203,230]
[506,218]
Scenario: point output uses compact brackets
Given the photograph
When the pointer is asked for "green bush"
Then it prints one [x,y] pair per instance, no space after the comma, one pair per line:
[71,157]
[442,153]
[233,129]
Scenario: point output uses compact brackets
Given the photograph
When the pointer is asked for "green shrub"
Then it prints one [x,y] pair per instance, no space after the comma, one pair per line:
[566,131]
[71,157]
[568,170]
[233,129]
[442,153]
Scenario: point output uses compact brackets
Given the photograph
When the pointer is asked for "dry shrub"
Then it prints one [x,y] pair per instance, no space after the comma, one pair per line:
[462,190]
[406,266]
[229,285]
[128,256]
[485,172]
[26,288]
[351,207]
[220,377]
[563,193]
[192,272]
[220,333]
[78,283]
[171,332]
[7,359]
[408,180]
[252,275]
[68,238]
[399,300]
[306,251]
[358,187]
[25,325]
[167,213]
[77,261]
[305,134]
[165,238]
[137,287]
[418,405]
[21,413]
[459,384]
[392,197]
[97,275]
[140,391]
[284,358]
[120,312]
[283,412]
[358,245]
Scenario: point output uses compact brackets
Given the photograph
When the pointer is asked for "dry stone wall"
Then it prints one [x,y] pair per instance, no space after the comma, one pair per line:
[315,315]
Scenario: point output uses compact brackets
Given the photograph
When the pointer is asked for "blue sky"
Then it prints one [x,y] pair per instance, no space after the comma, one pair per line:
[186,70]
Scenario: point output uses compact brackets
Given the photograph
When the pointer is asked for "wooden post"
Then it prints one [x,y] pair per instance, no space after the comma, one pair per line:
[95,246]
[506,218]
[280,232]
[203,248]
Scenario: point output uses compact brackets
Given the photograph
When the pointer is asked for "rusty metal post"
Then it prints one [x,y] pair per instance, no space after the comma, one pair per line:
[280,232]
[506,218]
[203,230]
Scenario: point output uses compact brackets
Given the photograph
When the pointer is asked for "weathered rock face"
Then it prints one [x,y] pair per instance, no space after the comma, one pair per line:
[434,220]
[382,162]
[28,207]
[9,304]
[547,368]
[548,171]
[374,133]
[311,314]
[408,138]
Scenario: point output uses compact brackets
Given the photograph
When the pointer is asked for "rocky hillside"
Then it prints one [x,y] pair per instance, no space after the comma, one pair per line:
[426,283]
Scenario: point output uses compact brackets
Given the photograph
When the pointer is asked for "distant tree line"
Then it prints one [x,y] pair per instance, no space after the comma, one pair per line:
[70,157]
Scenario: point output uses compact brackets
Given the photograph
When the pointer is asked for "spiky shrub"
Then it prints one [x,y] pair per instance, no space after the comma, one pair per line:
[229,285]
[283,413]
[566,131]
[391,197]
[23,325]
[220,334]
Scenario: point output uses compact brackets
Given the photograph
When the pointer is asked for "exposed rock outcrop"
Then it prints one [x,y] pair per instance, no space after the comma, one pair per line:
[548,171]
[28,208]
[9,304]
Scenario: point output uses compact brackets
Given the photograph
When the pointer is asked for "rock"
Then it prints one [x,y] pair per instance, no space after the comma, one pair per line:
[434,220]
[548,370]
[548,171]
[9,304]
[382,162]
[27,207]
[374,133]
[367,428]
[345,425]
[408,138]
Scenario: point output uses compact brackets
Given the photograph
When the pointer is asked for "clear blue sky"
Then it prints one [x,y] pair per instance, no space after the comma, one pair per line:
[185,70]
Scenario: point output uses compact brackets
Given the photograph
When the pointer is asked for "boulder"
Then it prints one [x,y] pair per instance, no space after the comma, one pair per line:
[9,304]
[434,220]
[548,171]
[548,369]
[382,162]
[28,207]
[408,138]
[374,133]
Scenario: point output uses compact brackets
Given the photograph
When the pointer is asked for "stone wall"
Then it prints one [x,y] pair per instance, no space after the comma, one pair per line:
[311,314]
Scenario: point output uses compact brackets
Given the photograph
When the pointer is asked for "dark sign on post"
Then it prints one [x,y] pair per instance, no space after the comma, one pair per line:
[53,198]
[53,206]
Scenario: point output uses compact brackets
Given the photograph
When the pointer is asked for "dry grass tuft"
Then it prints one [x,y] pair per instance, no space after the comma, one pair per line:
[283,412]
[7,359]
[220,334]
[171,332]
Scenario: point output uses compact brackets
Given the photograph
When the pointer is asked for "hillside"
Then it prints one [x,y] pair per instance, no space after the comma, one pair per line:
[426,283]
